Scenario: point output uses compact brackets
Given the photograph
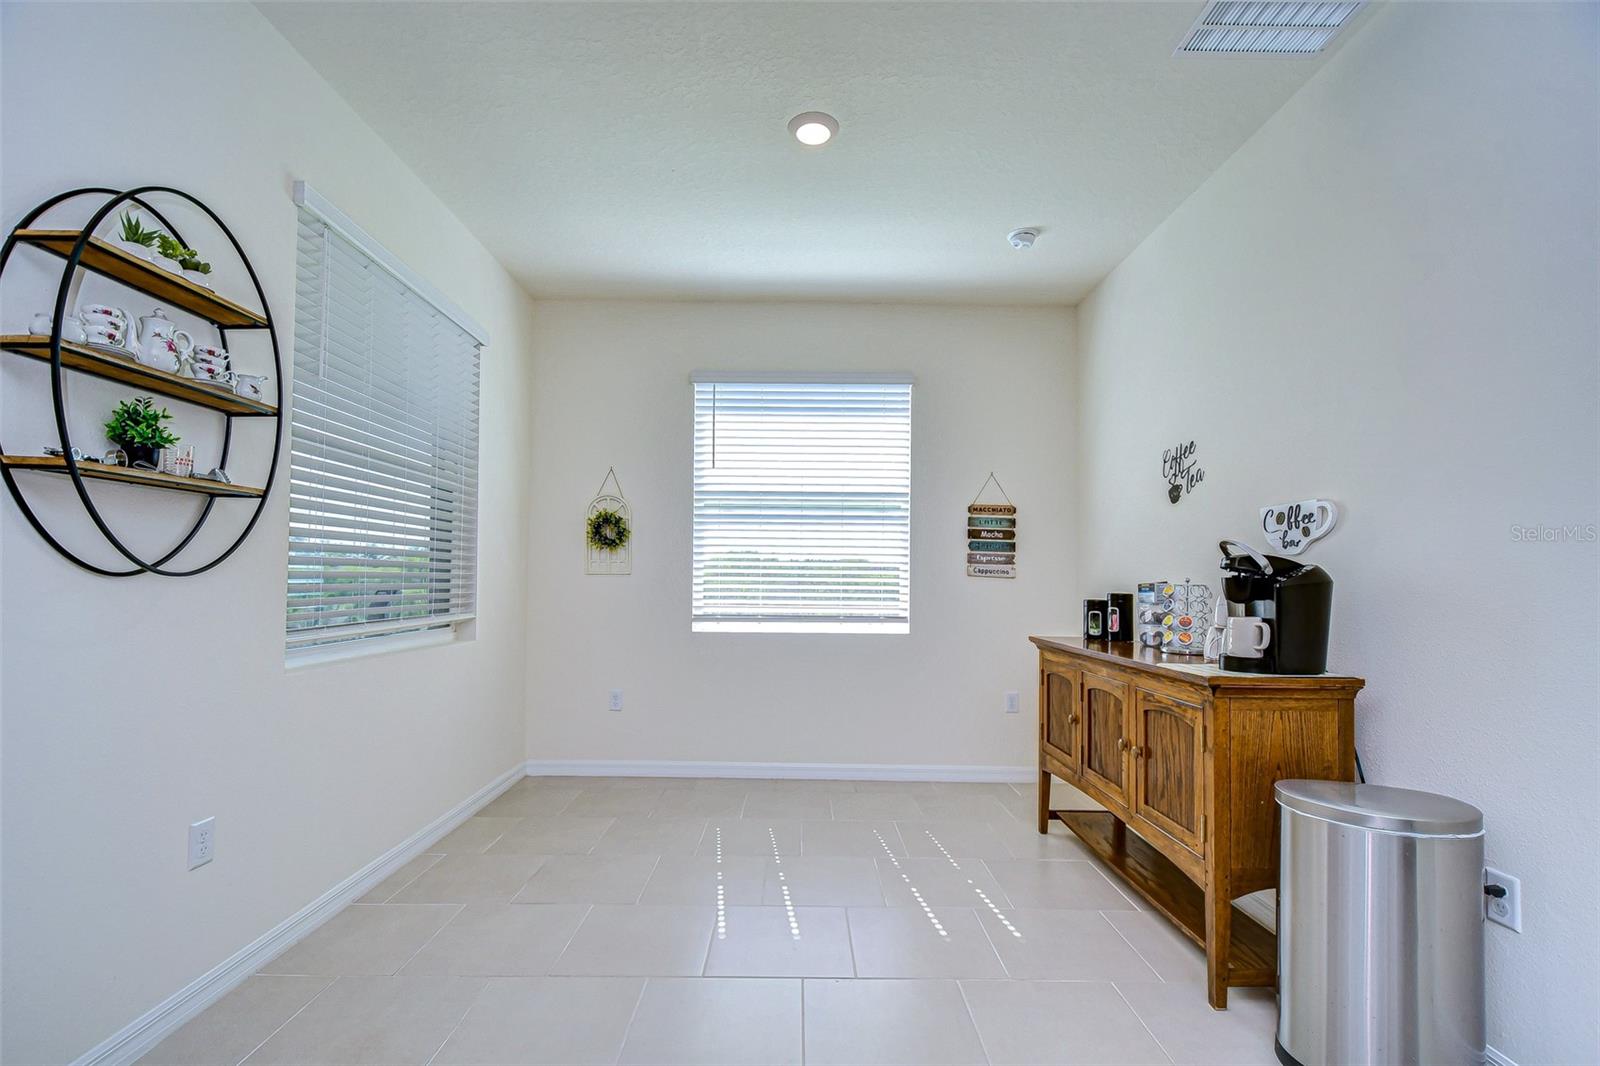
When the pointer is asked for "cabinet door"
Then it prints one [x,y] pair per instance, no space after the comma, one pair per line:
[1105,734]
[1058,689]
[1168,768]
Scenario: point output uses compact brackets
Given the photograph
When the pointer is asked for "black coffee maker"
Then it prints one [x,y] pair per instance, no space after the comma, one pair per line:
[1294,599]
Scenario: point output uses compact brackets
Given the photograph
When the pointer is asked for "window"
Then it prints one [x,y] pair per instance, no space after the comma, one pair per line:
[802,504]
[383,506]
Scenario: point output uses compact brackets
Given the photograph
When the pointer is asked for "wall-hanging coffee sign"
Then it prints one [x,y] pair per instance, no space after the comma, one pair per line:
[991,535]
[1181,470]
[1291,527]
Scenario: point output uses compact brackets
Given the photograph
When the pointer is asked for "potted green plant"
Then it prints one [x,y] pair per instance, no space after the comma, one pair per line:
[137,427]
[196,270]
[134,237]
[173,253]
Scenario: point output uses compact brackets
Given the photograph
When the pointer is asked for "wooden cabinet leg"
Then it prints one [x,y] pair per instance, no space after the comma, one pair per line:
[1044,801]
[1219,939]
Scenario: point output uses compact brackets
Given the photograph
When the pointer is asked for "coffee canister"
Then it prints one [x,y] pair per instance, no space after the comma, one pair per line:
[1094,619]
[1119,617]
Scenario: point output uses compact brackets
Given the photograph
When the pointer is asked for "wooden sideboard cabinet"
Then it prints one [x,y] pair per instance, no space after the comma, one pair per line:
[1183,758]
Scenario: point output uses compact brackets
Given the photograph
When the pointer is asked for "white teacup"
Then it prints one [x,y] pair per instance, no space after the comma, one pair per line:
[250,386]
[107,335]
[1246,638]
[211,370]
[93,313]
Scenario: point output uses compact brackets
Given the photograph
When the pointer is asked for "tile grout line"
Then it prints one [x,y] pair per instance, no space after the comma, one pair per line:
[588,910]
[286,1021]
[438,856]
[961,988]
[460,909]
[850,939]
[638,1001]
[1143,1024]
[1105,918]
[457,1026]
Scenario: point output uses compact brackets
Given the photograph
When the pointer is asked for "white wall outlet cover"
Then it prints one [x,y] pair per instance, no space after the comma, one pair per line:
[1013,702]
[202,842]
[616,699]
[1503,908]
[1291,527]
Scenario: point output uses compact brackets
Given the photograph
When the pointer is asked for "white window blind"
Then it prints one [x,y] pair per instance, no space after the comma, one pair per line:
[383,507]
[802,505]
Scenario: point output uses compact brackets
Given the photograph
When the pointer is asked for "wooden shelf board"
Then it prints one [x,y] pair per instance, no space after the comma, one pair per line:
[1254,954]
[102,257]
[50,464]
[104,364]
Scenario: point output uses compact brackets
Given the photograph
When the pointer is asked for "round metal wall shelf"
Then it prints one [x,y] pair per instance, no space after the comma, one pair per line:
[81,250]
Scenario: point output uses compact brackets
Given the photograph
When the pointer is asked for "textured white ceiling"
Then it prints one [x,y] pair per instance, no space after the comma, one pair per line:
[607,149]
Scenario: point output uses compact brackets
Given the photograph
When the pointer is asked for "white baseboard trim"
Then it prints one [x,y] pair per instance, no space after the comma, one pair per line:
[155,1025]
[807,771]
[1496,1058]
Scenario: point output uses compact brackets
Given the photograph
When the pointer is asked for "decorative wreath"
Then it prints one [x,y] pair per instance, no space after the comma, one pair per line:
[608,530]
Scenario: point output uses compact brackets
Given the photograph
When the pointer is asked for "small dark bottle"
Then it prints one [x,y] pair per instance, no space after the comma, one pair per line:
[1119,617]
[1094,619]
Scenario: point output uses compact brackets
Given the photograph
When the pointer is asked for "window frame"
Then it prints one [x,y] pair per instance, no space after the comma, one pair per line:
[796,624]
[376,639]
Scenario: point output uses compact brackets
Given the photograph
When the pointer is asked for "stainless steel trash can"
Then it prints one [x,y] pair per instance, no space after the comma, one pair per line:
[1380,927]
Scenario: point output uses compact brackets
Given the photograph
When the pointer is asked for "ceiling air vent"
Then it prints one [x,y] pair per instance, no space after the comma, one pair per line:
[1239,27]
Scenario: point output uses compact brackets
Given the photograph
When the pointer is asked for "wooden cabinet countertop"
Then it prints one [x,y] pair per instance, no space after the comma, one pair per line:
[1192,669]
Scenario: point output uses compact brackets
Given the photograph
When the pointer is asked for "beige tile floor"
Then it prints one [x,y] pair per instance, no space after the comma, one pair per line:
[711,921]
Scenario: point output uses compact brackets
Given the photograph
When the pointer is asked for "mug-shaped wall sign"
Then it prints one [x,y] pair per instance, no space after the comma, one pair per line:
[1291,527]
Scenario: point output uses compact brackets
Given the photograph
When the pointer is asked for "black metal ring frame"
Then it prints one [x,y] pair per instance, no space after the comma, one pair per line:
[73,261]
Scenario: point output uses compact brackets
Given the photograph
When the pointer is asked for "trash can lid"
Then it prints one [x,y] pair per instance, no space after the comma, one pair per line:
[1389,810]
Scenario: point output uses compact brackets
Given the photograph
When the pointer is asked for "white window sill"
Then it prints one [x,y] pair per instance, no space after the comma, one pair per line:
[886,628]
[367,647]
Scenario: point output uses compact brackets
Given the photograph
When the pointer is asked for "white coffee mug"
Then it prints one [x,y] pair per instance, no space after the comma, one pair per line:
[1246,638]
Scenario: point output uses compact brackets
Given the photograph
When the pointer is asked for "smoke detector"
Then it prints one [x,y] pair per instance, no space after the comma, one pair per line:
[1022,239]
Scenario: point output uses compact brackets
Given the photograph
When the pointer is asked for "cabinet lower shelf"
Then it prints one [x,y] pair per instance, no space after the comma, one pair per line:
[49,464]
[1253,957]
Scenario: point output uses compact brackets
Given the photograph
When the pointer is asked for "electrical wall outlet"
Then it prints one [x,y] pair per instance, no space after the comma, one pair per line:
[202,842]
[1013,702]
[616,699]
[1502,899]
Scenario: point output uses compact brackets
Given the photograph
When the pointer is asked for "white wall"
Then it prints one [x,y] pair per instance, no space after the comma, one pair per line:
[991,393]
[1388,298]
[133,707]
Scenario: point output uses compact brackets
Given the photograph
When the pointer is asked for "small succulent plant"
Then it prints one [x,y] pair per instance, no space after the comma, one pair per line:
[134,231]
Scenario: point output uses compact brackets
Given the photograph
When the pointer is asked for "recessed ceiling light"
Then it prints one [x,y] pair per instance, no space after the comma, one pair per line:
[813,128]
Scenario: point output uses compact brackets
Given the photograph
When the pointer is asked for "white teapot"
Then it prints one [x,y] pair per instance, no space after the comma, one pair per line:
[161,344]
